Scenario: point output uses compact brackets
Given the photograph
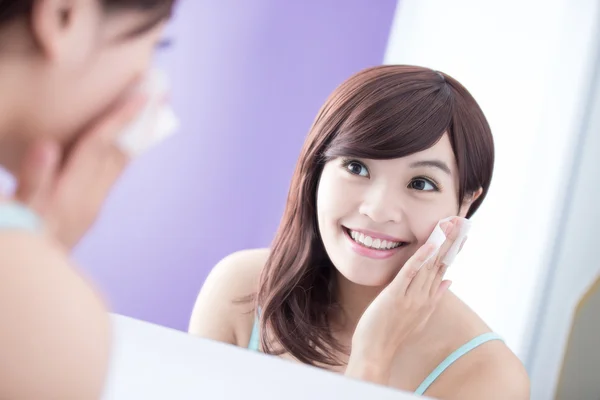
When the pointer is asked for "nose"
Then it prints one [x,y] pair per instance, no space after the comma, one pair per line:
[382,204]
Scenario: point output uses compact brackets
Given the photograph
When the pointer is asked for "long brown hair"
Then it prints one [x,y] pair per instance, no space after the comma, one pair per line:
[380,113]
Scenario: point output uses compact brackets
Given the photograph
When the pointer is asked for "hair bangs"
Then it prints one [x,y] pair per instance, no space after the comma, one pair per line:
[394,121]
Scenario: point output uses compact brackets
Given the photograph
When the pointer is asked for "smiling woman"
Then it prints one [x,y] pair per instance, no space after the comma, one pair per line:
[350,283]
[398,201]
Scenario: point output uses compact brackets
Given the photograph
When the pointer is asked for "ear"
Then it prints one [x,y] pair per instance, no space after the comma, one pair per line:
[467,201]
[65,30]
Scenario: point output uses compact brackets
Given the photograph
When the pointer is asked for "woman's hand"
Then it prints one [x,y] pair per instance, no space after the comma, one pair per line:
[401,310]
[68,190]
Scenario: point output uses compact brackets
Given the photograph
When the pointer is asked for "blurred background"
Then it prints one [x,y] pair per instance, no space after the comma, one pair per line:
[248,79]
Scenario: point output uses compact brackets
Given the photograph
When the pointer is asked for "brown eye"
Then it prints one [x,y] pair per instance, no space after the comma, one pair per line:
[422,184]
[357,168]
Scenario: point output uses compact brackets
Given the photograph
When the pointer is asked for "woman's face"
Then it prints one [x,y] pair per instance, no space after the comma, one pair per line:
[86,62]
[374,214]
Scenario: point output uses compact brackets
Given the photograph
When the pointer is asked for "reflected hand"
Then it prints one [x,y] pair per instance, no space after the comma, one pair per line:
[68,190]
[401,310]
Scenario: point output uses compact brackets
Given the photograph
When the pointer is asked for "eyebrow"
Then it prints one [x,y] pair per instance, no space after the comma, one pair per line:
[432,164]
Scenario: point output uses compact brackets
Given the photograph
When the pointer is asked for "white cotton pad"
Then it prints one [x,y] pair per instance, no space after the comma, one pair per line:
[156,121]
[438,238]
[8,183]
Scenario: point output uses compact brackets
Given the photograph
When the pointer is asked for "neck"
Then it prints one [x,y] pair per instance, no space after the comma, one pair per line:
[353,300]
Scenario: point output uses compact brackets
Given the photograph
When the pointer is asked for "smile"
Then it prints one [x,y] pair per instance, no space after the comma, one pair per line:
[371,243]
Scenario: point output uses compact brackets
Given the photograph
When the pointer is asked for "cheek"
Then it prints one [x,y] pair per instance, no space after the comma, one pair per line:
[107,87]
[67,102]
[118,72]
[422,228]
[326,201]
[114,73]
[425,215]
[336,199]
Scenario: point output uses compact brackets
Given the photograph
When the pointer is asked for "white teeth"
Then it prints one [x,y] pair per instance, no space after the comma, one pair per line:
[368,241]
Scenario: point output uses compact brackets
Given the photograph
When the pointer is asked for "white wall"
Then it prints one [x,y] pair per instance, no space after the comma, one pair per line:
[573,268]
[528,63]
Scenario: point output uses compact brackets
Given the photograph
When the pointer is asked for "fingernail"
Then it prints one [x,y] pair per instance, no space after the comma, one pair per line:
[430,251]
[431,248]
[444,226]
[448,227]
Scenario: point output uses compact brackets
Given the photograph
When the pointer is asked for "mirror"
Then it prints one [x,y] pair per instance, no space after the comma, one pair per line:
[249,83]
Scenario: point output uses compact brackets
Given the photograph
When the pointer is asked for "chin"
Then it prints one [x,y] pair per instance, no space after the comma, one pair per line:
[364,272]
[362,276]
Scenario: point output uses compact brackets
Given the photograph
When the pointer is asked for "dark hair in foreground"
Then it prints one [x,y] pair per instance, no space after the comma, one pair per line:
[380,113]
[158,10]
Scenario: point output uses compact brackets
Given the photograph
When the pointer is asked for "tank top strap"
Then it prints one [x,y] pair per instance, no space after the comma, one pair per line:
[254,343]
[458,353]
[16,216]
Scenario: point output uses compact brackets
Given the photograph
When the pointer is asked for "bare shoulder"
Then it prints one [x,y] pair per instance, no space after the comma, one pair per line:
[238,273]
[494,373]
[46,301]
[491,370]
[505,374]
[223,310]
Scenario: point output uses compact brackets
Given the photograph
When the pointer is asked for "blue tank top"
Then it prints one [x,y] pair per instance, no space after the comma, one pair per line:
[455,355]
[16,216]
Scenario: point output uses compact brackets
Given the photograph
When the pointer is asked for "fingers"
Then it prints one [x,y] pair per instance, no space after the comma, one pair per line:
[437,280]
[37,174]
[452,231]
[441,291]
[93,166]
[96,161]
[103,138]
[435,265]
[439,267]
[427,274]
[121,115]
[427,279]
[413,266]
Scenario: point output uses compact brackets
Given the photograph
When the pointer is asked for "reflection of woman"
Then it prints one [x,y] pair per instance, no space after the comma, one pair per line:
[66,68]
[394,150]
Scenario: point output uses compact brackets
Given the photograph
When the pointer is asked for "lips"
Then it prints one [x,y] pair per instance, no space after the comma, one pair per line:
[373,240]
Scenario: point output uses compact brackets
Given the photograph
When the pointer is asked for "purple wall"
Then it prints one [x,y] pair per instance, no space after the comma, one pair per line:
[248,77]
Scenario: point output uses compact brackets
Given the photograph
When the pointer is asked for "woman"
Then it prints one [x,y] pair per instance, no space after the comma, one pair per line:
[67,73]
[345,285]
